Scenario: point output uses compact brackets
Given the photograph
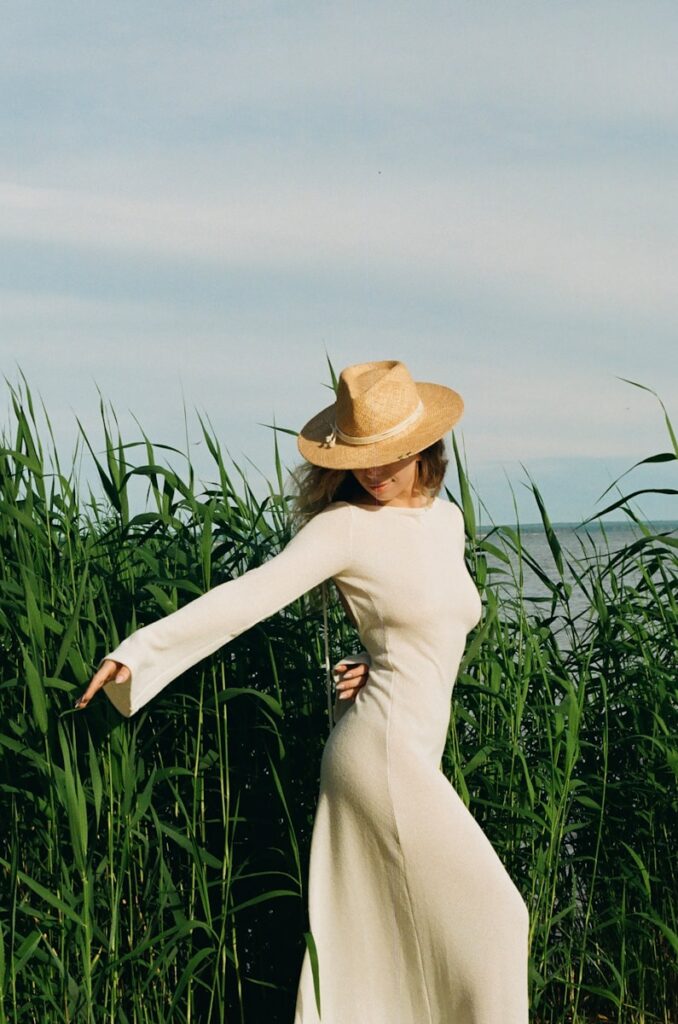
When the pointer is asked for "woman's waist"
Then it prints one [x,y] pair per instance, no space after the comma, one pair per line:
[421,694]
[412,668]
[392,714]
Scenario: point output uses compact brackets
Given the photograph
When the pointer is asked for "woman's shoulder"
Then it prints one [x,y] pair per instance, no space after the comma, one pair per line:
[453,515]
[452,509]
[334,514]
[337,507]
[456,513]
[331,527]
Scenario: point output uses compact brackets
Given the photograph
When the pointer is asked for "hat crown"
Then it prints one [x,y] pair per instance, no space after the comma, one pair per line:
[375,397]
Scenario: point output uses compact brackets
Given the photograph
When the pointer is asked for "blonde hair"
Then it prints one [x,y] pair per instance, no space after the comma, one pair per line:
[317,487]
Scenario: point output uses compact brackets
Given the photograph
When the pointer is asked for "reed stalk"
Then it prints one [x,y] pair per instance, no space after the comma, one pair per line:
[154,869]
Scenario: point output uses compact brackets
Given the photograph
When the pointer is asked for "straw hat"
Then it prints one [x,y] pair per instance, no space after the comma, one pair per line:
[381,415]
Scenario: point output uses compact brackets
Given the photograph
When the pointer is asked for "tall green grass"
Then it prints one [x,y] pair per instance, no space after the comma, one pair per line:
[154,869]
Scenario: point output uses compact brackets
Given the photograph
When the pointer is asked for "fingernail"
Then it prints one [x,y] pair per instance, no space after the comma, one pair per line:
[77,703]
[118,679]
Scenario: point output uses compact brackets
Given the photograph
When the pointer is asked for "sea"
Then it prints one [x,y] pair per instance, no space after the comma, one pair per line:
[581,546]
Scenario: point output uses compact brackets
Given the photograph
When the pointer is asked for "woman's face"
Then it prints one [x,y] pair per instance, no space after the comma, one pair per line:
[391,482]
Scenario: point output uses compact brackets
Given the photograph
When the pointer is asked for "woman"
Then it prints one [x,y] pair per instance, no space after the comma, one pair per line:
[414,917]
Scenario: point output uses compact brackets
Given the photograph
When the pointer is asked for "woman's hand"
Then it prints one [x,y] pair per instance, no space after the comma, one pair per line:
[110,671]
[353,678]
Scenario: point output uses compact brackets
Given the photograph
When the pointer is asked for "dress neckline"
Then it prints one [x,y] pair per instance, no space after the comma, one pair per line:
[398,508]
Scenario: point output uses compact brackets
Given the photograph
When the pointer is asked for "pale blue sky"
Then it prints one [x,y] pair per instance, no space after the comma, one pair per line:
[198,200]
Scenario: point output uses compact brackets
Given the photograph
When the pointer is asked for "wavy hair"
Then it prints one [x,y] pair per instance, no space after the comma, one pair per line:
[317,487]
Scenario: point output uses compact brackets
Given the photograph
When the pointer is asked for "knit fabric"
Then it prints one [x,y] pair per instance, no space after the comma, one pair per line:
[414,917]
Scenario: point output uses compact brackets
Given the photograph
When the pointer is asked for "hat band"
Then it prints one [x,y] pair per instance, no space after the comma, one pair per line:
[372,438]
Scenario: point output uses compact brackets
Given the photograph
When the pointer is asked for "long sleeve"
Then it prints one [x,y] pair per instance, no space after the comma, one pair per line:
[158,653]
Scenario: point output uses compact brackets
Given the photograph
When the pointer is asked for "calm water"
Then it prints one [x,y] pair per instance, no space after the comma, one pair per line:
[581,547]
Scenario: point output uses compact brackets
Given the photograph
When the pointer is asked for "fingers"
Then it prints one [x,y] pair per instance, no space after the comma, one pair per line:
[353,678]
[109,671]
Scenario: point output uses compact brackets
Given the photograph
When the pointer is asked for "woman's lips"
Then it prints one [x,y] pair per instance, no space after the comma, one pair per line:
[378,487]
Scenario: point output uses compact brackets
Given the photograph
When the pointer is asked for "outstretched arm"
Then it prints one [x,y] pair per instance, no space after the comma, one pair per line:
[156,654]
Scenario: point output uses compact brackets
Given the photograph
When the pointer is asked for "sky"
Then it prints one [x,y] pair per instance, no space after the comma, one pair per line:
[200,204]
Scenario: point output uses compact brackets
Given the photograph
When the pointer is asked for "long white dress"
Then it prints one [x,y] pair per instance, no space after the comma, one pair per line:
[414,917]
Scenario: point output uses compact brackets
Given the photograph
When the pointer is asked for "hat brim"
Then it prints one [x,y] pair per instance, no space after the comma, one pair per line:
[442,408]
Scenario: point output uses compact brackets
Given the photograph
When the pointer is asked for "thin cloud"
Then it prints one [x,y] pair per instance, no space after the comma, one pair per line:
[432,231]
[208,197]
